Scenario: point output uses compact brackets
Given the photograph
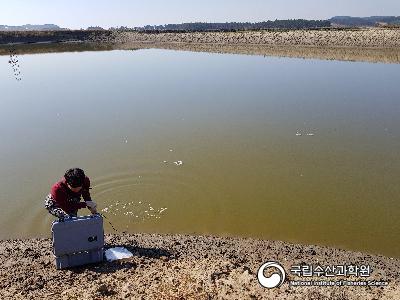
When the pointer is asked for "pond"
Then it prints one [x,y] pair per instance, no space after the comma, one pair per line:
[180,142]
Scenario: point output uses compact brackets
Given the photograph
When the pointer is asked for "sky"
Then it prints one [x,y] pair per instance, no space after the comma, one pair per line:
[76,14]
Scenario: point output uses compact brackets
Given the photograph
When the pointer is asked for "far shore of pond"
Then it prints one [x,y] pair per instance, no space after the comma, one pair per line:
[368,45]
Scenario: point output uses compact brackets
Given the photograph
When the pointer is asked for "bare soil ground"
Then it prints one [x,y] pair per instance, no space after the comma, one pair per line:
[184,267]
[369,37]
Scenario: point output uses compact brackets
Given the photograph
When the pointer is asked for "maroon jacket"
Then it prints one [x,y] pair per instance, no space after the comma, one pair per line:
[62,195]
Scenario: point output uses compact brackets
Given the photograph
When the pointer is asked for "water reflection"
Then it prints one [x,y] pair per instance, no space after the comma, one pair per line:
[14,62]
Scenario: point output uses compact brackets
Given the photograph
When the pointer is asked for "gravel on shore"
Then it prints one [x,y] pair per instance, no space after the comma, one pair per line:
[185,267]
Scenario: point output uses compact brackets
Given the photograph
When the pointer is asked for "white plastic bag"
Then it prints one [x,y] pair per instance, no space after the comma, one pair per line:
[117,253]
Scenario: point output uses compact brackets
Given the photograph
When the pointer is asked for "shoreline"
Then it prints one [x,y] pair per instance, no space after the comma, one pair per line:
[376,45]
[370,55]
[185,267]
[359,38]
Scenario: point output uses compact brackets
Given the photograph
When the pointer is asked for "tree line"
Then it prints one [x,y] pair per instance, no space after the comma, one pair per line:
[234,26]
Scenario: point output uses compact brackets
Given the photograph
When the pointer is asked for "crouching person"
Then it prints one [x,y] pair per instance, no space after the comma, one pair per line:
[64,199]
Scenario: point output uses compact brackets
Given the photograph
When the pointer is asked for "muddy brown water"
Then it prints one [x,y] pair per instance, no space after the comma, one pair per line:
[276,148]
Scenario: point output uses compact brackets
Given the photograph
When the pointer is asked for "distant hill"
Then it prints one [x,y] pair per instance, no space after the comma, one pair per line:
[29,27]
[348,21]
[338,21]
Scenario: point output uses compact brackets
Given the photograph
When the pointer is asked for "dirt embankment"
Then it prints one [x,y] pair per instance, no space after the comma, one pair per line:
[185,267]
[369,45]
[365,38]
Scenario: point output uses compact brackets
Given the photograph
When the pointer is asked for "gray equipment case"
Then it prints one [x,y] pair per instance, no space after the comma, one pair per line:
[78,241]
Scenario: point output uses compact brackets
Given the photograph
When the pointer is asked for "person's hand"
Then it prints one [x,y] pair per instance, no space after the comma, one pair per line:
[64,218]
[92,206]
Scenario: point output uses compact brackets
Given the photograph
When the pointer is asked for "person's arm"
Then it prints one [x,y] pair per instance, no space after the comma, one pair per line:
[53,209]
[90,204]
[78,205]
[85,190]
